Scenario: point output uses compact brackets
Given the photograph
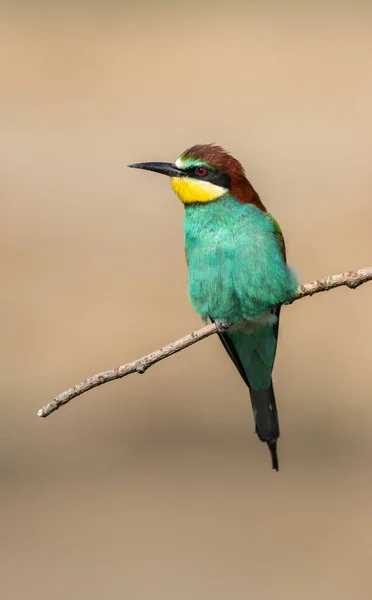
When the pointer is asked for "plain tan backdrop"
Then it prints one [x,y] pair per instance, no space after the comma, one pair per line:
[156,486]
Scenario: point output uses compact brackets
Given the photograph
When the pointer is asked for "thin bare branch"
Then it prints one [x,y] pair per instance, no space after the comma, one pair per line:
[351,279]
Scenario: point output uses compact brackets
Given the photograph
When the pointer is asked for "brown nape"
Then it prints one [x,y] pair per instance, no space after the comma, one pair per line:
[217,157]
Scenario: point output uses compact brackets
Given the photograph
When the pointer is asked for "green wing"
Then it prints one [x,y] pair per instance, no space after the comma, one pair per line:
[226,338]
[278,233]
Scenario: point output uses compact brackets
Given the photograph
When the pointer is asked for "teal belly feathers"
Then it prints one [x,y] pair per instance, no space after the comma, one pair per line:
[237,271]
[236,268]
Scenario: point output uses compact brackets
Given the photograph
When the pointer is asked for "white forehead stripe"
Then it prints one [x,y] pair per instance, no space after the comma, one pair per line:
[179,162]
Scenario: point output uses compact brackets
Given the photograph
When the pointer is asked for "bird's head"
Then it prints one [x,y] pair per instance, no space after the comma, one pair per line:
[204,173]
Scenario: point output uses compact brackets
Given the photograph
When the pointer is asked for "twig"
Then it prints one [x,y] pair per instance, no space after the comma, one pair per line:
[351,279]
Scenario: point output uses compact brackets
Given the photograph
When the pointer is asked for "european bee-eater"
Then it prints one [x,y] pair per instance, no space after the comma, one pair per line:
[237,271]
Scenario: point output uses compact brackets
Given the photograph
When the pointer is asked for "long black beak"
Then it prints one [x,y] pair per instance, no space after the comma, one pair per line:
[159,167]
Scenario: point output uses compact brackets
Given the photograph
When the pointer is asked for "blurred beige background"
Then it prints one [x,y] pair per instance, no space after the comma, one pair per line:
[156,486]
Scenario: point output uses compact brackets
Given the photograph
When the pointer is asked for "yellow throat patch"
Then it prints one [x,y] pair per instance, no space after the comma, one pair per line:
[190,190]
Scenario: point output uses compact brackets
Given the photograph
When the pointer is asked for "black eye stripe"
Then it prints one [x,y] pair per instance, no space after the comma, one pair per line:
[217,177]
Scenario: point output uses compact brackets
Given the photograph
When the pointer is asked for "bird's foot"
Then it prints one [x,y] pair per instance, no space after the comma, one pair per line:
[222,327]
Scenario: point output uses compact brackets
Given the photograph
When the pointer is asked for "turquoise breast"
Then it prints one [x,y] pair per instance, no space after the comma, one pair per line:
[236,268]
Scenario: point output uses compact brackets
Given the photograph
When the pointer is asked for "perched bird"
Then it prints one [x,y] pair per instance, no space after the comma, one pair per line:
[237,271]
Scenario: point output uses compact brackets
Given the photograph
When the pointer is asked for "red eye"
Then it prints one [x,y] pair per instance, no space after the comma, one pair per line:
[201,171]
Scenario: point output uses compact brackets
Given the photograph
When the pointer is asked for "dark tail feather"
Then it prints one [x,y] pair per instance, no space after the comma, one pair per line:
[263,401]
[274,455]
[266,419]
